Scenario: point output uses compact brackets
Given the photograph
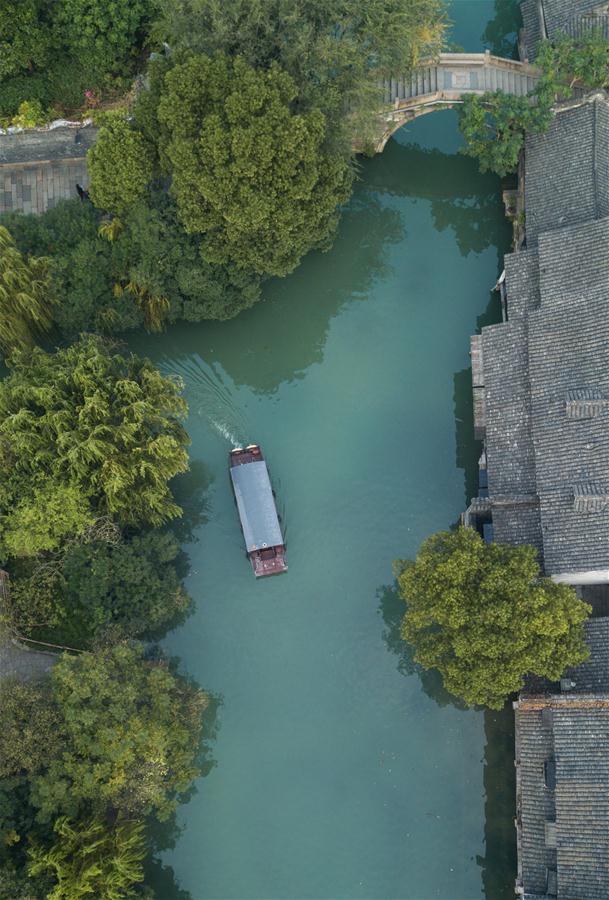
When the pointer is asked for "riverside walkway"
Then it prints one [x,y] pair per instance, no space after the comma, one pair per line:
[39,167]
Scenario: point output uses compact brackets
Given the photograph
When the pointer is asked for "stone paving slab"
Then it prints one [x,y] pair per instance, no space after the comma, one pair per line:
[38,186]
[39,168]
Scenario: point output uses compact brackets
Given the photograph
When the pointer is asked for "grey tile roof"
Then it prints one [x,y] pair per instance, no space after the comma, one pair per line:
[559,14]
[518,524]
[567,170]
[546,370]
[592,676]
[532,26]
[581,25]
[572,729]
[573,17]
[522,282]
[581,744]
[535,802]
[511,465]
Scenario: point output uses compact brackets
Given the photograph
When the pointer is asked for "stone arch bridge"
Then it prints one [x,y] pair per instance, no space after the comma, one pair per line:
[442,84]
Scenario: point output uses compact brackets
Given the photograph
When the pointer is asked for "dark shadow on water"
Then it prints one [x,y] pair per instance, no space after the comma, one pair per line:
[392,609]
[461,197]
[159,877]
[190,491]
[468,449]
[284,334]
[162,880]
[501,32]
[499,862]
[163,836]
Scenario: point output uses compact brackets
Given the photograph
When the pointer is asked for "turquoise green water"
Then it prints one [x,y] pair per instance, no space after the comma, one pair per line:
[340,770]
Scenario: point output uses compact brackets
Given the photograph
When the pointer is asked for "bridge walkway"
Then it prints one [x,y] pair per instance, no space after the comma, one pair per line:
[443,83]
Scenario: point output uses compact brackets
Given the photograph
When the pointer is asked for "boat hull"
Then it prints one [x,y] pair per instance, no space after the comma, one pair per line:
[255,500]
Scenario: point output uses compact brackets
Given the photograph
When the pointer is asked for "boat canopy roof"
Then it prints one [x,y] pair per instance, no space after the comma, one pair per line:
[256,506]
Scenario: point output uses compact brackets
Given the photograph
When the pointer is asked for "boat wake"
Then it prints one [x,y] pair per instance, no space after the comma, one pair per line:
[211,396]
[226,433]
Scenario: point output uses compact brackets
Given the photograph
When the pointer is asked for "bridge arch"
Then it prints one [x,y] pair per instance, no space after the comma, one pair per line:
[442,84]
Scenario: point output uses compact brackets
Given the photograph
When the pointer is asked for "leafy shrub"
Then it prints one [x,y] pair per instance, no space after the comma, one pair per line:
[120,166]
[29,114]
[130,587]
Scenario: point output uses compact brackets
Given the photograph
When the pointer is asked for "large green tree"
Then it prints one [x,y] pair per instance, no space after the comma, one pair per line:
[26,307]
[118,587]
[249,173]
[120,165]
[25,36]
[102,33]
[130,736]
[84,433]
[483,615]
[91,859]
[336,50]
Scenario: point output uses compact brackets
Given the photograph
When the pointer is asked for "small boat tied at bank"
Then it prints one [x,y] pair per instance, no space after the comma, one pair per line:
[256,504]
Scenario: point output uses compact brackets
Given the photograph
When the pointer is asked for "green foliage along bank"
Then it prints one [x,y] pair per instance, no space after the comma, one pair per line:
[85,756]
[107,282]
[62,53]
[249,173]
[110,740]
[85,433]
[26,306]
[494,124]
[483,615]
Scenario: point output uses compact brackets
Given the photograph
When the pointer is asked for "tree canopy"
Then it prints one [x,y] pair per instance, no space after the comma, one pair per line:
[104,586]
[103,33]
[120,165]
[249,174]
[335,50]
[483,615]
[130,733]
[85,433]
[24,39]
[25,296]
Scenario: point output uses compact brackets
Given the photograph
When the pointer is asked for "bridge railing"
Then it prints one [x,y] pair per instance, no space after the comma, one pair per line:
[455,60]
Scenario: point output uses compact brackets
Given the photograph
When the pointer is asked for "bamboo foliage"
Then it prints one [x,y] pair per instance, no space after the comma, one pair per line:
[26,306]
[91,859]
[154,306]
[83,434]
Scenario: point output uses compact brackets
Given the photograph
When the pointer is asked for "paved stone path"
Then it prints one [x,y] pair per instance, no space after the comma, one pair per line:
[38,168]
[36,187]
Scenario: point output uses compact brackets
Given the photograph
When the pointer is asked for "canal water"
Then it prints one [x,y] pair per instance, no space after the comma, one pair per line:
[336,768]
